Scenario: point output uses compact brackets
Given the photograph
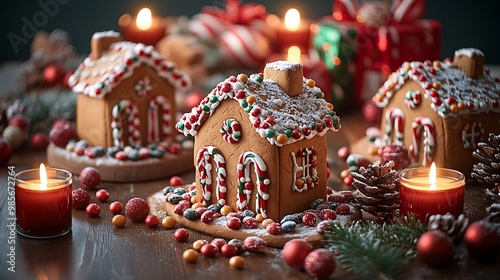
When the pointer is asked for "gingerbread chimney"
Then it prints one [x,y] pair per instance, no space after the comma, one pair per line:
[101,41]
[288,75]
[470,61]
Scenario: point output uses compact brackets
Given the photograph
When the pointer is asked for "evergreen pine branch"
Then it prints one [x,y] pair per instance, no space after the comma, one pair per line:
[371,250]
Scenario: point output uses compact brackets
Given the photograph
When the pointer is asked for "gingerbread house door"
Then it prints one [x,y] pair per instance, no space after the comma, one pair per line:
[246,186]
[132,125]
[159,119]
[207,155]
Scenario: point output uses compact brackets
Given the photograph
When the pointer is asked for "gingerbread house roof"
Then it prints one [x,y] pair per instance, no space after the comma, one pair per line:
[280,118]
[97,77]
[451,90]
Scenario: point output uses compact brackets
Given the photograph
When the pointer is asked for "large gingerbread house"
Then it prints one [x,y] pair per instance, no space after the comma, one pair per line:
[440,110]
[276,122]
[126,94]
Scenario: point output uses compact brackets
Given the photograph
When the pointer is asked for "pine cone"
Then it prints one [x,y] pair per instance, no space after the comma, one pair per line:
[487,171]
[493,213]
[454,228]
[377,189]
[494,193]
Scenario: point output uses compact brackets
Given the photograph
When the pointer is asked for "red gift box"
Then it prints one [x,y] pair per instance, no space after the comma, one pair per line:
[386,39]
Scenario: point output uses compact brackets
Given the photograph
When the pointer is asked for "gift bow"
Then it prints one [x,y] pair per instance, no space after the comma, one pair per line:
[402,11]
[234,13]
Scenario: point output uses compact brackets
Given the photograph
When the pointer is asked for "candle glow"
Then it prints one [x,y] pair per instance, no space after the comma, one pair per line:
[432,177]
[144,19]
[292,20]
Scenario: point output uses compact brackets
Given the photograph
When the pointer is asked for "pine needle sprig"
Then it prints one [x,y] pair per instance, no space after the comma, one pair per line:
[375,251]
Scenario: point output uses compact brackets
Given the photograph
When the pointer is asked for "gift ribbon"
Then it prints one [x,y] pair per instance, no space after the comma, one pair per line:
[403,11]
[234,13]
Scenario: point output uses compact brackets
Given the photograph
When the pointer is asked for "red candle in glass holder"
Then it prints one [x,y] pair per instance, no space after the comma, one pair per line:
[43,202]
[144,29]
[430,191]
[294,31]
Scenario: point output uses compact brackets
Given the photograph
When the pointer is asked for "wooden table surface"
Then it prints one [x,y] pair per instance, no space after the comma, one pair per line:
[95,249]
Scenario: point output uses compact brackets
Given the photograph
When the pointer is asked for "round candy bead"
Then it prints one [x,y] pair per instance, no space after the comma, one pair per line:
[209,250]
[190,255]
[168,222]
[119,221]
[226,209]
[181,234]
[237,262]
[198,243]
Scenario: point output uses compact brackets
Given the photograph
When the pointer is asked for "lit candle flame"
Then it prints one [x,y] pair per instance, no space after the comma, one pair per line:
[144,19]
[432,177]
[292,20]
[293,54]
[43,177]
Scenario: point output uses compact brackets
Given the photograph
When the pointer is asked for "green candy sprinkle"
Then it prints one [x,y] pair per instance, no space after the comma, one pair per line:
[214,99]
[206,108]
[288,133]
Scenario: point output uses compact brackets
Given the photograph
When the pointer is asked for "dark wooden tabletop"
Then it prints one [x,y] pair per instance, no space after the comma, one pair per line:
[95,249]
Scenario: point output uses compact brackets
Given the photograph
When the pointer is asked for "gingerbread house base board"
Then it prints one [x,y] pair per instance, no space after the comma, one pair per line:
[218,227]
[114,170]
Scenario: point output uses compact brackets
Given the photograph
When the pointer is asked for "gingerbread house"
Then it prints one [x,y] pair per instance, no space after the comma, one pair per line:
[126,94]
[440,110]
[260,141]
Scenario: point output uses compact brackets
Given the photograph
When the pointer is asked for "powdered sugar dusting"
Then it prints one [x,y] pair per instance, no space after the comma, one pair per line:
[110,33]
[469,52]
[284,65]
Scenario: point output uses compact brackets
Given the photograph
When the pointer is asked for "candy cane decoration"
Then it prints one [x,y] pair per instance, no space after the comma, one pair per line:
[245,185]
[166,119]
[429,139]
[230,131]
[394,116]
[134,123]
[413,99]
[204,168]
[143,86]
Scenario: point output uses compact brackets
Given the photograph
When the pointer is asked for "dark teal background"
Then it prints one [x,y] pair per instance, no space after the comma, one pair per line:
[465,23]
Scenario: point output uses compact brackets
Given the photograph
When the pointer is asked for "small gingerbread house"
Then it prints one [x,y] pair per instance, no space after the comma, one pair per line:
[440,110]
[260,141]
[126,94]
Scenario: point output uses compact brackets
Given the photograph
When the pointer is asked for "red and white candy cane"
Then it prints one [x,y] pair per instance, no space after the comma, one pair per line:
[397,117]
[230,131]
[153,122]
[204,168]
[134,123]
[245,185]
[429,139]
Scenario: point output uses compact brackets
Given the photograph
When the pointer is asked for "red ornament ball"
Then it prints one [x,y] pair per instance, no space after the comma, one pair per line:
[193,99]
[102,195]
[371,112]
[21,122]
[348,180]
[398,154]
[5,152]
[319,264]
[181,235]
[482,241]
[80,199]
[40,141]
[137,209]
[93,210]
[176,181]
[116,207]
[295,252]
[90,178]
[152,221]
[53,75]
[343,153]
[435,248]
[62,132]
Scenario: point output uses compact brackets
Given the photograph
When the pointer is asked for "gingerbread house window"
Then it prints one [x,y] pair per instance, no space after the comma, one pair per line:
[472,133]
[305,175]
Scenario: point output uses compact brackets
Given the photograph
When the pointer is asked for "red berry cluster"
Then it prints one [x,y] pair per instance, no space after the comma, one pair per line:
[299,254]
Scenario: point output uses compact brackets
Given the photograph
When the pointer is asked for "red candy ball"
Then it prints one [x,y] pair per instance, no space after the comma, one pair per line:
[274,228]
[482,241]
[319,264]
[40,141]
[343,153]
[93,210]
[255,244]
[295,252]
[137,209]
[176,181]
[228,250]
[116,207]
[209,250]
[53,75]
[309,219]
[218,242]
[181,234]
[234,223]
[102,195]
[152,221]
[435,248]
[90,178]
[80,199]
